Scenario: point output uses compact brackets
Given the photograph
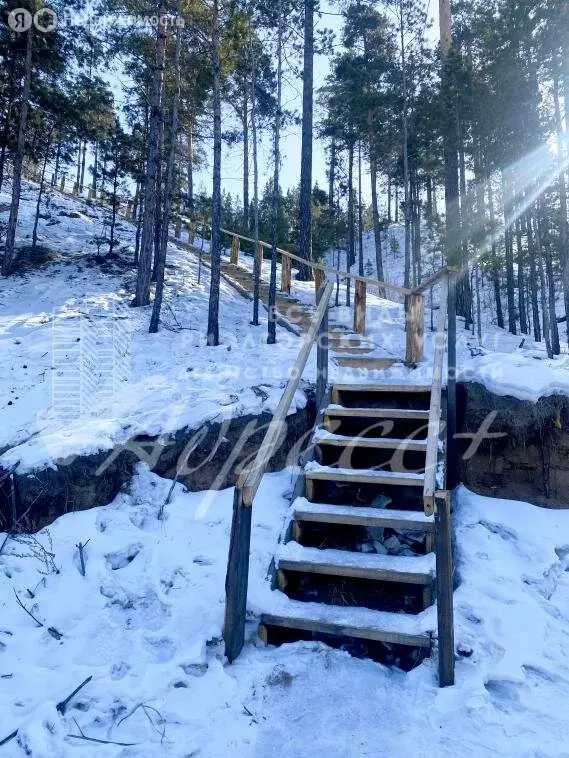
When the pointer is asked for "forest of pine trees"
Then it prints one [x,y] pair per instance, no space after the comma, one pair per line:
[458,133]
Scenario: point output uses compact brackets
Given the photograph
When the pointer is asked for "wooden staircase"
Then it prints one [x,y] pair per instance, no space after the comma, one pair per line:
[368,547]
[345,546]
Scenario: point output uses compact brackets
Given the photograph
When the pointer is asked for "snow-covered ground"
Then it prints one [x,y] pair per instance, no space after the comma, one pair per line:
[145,622]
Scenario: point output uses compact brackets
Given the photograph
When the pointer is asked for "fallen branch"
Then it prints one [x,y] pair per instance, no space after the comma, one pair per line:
[83,736]
[60,707]
[30,614]
[81,547]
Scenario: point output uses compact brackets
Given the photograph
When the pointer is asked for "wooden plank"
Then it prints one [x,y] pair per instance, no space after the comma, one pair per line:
[431,281]
[321,626]
[445,610]
[381,518]
[260,253]
[251,478]
[415,321]
[237,577]
[373,443]
[286,271]
[387,388]
[234,259]
[394,413]
[355,572]
[364,362]
[360,292]
[433,432]
[359,476]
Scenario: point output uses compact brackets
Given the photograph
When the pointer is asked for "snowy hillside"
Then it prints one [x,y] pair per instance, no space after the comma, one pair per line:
[145,622]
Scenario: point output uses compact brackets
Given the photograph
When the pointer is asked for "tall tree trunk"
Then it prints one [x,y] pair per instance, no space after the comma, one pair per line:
[213,310]
[532,254]
[495,260]
[351,257]
[509,244]
[305,231]
[159,199]
[115,186]
[245,127]
[40,190]
[563,223]
[360,214]
[553,326]
[332,175]
[83,162]
[168,190]
[541,272]
[149,216]
[19,159]
[376,222]
[272,324]
[191,168]
[95,166]
[406,210]
[256,269]
[521,301]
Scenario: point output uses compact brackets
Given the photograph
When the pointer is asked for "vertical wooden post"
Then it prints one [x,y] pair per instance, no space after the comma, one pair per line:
[360,295]
[321,356]
[286,270]
[319,282]
[62,186]
[129,209]
[236,581]
[75,189]
[260,252]
[415,322]
[452,451]
[445,611]
[178,228]
[235,251]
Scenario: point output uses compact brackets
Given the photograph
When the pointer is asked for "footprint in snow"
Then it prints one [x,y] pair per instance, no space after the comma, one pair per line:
[122,558]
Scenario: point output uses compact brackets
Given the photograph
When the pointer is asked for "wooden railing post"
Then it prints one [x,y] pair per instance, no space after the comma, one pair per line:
[235,251]
[445,611]
[286,271]
[415,322]
[360,296]
[452,451]
[129,209]
[178,228]
[260,251]
[237,578]
[319,281]
[322,357]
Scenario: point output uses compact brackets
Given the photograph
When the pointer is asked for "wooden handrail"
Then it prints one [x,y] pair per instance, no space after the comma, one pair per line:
[434,279]
[319,266]
[251,478]
[236,581]
[434,430]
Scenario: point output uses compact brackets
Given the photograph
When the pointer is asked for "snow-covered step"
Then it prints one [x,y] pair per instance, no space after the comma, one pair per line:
[362,623]
[355,515]
[324,437]
[316,472]
[339,411]
[365,362]
[387,388]
[388,568]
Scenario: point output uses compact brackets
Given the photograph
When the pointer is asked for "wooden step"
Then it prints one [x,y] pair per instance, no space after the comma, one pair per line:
[354,515]
[338,411]
[365,362]
[324,437]
[315,472]
[388,388]
[361,623]
[348,352]
[418,570]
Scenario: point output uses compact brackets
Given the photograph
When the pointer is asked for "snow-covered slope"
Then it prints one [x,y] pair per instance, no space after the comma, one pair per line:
[145,623]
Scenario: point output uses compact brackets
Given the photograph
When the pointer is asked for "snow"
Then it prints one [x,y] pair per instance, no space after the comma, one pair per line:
[146,621]
[80,372]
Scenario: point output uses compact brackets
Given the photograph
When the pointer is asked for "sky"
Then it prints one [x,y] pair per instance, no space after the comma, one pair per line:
[232,158]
